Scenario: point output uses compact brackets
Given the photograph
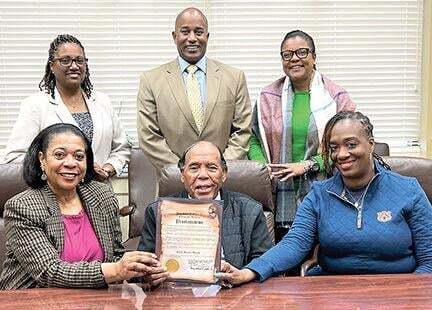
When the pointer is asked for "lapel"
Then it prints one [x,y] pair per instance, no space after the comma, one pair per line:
[213,80]
[61,110]
[97,216]
[65,116]
[54,224]
[97,120]
[178,91]
[94,208]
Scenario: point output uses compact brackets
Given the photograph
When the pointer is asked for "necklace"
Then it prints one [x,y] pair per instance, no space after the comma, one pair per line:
[74,103]
[357,196]
[310,84]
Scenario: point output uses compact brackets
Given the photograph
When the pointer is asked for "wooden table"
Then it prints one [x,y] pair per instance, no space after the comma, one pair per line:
[331,292]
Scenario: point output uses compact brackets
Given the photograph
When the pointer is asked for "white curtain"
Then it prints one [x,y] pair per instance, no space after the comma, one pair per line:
[371,48]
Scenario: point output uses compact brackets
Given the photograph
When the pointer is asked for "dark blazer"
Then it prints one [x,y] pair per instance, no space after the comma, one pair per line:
[35,237]
[245,234]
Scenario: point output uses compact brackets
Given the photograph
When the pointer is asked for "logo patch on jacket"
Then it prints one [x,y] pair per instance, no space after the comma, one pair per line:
[384,216]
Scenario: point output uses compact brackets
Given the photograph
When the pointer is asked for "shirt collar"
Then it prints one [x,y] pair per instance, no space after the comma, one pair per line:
[201,64]
[218,197]
[337,185]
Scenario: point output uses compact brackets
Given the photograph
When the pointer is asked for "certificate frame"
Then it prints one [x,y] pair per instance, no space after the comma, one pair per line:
[199,213]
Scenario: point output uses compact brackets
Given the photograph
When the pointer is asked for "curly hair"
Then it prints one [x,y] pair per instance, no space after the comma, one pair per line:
[343,115]
[48,81]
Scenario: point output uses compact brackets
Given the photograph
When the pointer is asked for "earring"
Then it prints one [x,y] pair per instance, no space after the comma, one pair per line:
[82,181]
[43,176]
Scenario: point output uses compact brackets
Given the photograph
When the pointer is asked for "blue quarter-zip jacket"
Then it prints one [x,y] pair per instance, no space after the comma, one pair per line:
[390,233]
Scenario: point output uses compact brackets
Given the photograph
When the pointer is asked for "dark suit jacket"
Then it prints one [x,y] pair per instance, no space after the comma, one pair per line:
[35,237]
[245,234]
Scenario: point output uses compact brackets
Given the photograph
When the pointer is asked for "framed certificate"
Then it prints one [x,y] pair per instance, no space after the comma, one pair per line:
[188,238]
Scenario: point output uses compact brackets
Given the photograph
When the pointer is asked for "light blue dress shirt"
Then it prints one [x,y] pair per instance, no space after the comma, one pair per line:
[200,75]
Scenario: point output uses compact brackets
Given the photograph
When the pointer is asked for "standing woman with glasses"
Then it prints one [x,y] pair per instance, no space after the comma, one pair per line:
[288,123]
[66,96]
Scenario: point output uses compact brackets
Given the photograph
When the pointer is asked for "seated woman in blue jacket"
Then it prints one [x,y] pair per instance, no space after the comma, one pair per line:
[366,218]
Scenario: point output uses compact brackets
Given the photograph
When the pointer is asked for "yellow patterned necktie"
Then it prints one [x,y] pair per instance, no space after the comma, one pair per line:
[194,96]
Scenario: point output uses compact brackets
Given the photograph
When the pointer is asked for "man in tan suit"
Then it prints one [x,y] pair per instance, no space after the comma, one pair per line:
[178,106]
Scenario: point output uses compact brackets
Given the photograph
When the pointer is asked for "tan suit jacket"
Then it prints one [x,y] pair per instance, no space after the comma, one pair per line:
[166,126]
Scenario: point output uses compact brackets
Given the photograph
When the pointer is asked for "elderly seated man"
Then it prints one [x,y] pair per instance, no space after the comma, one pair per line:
[244,231]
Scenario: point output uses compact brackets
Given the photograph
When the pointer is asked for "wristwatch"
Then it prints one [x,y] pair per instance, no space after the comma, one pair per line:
[313,166]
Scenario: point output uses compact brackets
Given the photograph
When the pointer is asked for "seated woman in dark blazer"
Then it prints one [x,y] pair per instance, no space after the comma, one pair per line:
[366,218]
[64,231]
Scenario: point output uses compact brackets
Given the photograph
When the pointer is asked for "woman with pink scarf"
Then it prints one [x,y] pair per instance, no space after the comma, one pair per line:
[288,122]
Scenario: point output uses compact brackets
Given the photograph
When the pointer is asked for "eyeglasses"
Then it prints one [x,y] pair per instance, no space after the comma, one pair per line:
[301,53]
[67,61]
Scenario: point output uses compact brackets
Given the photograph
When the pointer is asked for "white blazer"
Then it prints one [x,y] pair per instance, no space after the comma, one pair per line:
[40,110]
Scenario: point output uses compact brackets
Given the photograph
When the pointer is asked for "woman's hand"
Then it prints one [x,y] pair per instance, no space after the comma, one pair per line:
[105,172]
[108,168]
[138,263]
[131,265]
[156,278]
[283,172]
[230,275]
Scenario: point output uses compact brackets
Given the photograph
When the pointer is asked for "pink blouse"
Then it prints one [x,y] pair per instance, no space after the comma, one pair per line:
[80,240]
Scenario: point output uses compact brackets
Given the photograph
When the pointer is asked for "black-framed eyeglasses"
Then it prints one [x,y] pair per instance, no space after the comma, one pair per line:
[301,53]
[67,61]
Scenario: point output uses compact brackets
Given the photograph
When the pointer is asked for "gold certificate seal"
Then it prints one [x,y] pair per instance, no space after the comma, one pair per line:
[172,265]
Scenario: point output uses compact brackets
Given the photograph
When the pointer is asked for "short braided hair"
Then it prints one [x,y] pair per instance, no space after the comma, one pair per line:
[343,115]
[48,81]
